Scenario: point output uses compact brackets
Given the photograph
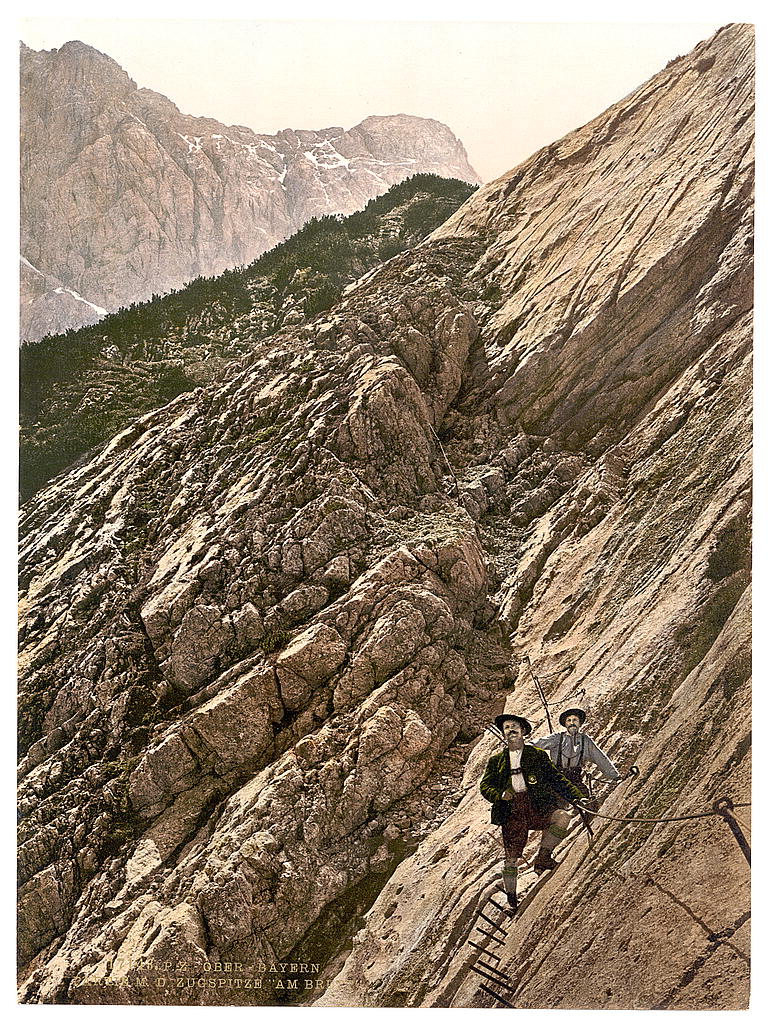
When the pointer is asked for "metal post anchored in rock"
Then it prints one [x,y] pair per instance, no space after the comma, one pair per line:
[723,808]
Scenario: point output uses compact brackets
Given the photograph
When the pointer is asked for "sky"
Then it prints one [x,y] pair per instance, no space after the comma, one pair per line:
[504,88]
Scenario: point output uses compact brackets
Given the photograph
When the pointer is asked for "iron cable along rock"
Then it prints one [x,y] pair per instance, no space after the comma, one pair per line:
[264,627]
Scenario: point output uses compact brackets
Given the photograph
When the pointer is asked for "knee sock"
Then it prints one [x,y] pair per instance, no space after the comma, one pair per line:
[552,836]
[510,876]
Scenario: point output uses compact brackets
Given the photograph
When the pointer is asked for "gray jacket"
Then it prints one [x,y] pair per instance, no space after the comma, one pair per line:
[564,753]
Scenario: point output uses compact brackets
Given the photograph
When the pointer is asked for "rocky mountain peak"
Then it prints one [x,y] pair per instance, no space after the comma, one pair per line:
[124,197]
[77,67]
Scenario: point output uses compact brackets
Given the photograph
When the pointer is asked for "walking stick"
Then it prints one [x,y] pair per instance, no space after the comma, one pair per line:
[540,691]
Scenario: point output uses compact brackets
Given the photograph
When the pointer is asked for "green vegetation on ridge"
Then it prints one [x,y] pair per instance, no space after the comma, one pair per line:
[80,388]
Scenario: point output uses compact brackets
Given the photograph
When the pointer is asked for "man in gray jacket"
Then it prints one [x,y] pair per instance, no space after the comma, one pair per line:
[571,749]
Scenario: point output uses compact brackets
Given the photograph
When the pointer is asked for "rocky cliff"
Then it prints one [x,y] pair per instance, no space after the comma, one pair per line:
[263,627]
[123,196]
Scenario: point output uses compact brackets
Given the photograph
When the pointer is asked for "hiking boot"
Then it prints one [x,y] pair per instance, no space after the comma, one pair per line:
[512,901]
[544,862]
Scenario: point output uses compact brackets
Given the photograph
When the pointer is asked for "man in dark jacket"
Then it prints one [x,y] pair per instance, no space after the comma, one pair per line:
[523,786]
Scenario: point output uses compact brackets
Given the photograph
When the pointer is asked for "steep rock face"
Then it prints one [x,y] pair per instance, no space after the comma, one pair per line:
[623,255]
[45,301]
[263,627]
[123,196]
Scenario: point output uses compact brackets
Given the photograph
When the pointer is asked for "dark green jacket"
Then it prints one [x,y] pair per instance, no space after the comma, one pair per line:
[543,782]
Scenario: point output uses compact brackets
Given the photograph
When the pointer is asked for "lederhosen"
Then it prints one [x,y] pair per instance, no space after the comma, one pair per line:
[523,818]
[574,774]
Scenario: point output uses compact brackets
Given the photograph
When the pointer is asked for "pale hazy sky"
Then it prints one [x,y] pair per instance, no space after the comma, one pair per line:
[505,89]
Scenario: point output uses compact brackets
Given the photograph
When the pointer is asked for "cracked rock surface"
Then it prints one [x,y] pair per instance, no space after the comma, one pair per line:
[263,627]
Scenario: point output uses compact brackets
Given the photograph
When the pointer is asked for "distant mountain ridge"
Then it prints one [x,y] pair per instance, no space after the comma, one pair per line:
[123,196]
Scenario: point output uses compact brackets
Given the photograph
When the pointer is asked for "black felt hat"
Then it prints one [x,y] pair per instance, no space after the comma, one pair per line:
[525,724]
[572,711]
